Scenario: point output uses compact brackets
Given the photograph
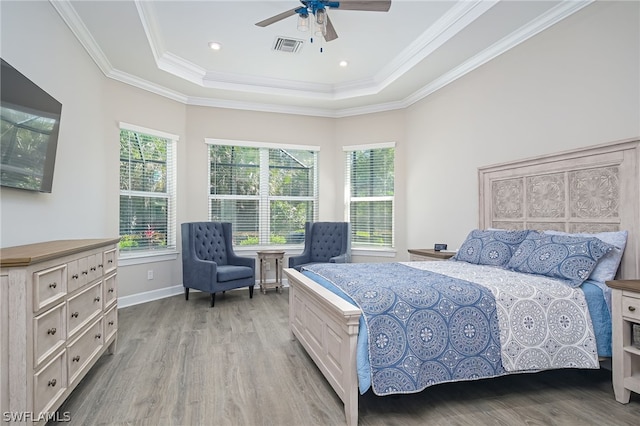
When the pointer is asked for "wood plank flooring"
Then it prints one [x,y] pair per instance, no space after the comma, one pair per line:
[183,363]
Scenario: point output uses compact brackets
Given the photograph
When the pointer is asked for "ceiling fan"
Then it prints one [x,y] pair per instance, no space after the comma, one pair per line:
[321,21]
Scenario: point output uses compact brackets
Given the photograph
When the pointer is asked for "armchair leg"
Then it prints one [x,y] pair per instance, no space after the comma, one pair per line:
[213,299]
[250,292]
[186,293]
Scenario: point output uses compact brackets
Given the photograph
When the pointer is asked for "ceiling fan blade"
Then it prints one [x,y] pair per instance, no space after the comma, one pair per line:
[370,5]
[331,31]
[276,18]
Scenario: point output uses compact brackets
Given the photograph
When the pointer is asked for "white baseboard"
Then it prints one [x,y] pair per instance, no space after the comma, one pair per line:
[149,296]
[162,293]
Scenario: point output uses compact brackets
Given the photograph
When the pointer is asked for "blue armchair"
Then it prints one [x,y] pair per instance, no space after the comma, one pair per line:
[209,263]
[324,242]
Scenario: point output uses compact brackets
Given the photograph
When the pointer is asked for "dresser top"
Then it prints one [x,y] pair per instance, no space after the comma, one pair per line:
[39,252]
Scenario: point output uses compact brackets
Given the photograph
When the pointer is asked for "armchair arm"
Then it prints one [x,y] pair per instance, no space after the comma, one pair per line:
[234,259]
[199,274]
[305,257]
[343,258]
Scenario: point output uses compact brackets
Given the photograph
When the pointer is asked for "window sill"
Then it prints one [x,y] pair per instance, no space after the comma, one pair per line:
[373,252]
[146,257]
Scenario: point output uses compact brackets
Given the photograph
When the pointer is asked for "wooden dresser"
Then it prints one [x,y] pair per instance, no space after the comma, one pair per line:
[58,315]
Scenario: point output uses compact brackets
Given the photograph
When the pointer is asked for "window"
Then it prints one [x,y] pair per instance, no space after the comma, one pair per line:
[369,188]
[267,192]
[147,190]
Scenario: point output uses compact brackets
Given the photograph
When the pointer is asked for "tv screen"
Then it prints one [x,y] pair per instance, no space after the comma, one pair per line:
[30,120]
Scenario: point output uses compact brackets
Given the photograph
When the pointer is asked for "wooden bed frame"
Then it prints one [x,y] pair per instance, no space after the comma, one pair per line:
[593,189]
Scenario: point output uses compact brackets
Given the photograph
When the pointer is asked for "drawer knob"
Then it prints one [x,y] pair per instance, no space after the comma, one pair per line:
[97,299]
[74,315]
[110,290]
[74,276]
[93,268]
[101,266]
[632,308]
[85,272]
[53,285]
[110,261]
[52,382]
[98,336]
[52,331]
[76,358]
[110,323]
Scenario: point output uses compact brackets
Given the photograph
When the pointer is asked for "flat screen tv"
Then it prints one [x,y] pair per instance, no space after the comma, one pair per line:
[30,120]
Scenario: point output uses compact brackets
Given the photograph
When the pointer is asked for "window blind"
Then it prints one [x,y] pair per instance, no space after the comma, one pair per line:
[266,192]
[147,190]
[369,185]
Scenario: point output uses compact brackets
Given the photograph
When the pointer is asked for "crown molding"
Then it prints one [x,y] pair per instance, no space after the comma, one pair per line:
[450,24]
[465,14]
[82,34]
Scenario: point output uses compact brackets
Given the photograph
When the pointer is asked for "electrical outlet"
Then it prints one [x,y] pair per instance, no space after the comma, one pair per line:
[150,274]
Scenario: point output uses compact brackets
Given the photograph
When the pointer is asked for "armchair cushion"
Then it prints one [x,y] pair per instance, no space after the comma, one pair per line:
[232,272]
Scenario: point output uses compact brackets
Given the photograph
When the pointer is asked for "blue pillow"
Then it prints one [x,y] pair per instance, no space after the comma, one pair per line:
[559,256]
[606,267]
[491,247]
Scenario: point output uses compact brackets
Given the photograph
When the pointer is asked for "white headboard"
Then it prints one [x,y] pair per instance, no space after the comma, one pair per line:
[591,190]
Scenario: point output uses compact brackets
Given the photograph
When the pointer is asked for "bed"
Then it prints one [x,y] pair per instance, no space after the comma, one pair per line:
[594,190]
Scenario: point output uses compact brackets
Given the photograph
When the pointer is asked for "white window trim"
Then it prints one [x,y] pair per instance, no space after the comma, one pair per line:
[148,256]
[371,251]
[253,144]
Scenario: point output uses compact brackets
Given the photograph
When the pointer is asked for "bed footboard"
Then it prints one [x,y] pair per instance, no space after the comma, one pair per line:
[327,327]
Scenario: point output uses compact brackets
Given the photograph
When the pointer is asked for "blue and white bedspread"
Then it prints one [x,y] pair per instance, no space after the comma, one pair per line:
[436,322]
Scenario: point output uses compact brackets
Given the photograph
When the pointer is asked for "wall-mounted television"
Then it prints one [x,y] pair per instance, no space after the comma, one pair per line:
[30,121]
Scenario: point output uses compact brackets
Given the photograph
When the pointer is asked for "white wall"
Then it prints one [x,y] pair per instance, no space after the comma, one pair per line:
[77,206]
[574,85]
[577,84]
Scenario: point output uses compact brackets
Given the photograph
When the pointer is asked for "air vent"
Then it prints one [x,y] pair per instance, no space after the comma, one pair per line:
[289,45]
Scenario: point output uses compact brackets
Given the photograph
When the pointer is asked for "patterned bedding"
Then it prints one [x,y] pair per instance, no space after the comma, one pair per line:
[436,322]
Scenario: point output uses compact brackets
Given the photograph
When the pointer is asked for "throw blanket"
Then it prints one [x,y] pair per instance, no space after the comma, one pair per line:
[427,328]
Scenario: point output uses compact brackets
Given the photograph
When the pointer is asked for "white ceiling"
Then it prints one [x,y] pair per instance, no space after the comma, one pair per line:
[395,58]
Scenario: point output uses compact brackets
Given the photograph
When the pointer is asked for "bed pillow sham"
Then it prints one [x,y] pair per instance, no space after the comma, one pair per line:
[559,256]
[490,247]
[607,266]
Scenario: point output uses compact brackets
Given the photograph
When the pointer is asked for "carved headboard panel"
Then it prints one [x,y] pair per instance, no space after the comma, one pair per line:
[590,190]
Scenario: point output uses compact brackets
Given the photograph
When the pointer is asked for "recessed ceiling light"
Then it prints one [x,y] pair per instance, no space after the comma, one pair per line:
[344,64]
[214,45]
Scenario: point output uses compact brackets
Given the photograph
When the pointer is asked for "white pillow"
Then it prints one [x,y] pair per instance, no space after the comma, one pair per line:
[607,266]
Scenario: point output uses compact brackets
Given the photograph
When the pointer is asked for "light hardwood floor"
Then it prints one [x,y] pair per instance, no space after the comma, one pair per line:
[183,363]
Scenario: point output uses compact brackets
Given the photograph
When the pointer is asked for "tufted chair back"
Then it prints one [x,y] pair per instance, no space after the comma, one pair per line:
[209,242]
[327,240]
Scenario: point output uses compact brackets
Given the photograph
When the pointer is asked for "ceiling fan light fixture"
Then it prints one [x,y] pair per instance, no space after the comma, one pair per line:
[321,22]
[303,23]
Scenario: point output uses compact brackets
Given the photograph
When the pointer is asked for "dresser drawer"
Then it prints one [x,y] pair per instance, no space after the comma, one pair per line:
[50,333]
[631,308]
[110,260]
[83,307]
[49,286]
[82,350]
[49,383]
[110,290]
[110,323]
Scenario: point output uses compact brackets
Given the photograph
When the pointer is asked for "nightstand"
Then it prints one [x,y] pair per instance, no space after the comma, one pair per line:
[625,306]
[420,255]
